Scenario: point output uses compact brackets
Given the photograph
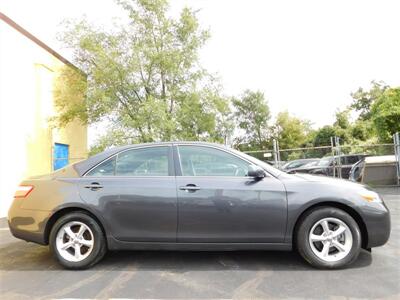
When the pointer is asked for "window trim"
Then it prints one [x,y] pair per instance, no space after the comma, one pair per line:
[178,164]
[171,169]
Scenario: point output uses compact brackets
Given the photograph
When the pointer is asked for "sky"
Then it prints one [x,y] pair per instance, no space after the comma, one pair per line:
[306,56]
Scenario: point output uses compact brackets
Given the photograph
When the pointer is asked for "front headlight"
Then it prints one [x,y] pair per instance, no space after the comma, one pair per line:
[370,196]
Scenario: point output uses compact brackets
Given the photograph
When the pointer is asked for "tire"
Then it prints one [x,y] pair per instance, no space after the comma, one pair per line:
[319,246]
[75,231]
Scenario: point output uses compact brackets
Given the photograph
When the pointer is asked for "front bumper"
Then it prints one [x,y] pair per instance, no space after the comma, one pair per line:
[377,220]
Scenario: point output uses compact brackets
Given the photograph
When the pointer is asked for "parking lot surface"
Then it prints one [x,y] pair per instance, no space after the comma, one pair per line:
[28,271]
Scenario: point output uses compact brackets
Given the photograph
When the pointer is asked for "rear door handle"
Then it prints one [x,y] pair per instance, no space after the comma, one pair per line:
[94,186]
[189,188]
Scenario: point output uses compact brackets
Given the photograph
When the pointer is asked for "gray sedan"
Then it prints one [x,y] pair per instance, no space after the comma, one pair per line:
[194,196]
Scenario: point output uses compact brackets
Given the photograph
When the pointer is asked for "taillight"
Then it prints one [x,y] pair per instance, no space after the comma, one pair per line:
[23,191]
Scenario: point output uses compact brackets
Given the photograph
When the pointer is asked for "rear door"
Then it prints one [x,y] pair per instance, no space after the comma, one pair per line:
[218,203]
[135,192]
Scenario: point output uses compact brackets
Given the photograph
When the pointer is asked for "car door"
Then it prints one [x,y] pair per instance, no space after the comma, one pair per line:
[218,203]
[349,162]
[135,192]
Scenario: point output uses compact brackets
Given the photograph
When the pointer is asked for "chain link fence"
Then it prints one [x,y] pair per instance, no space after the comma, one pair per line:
[278,157]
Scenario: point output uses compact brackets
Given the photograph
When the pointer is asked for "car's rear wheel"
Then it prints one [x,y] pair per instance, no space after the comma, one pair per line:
[328,237]
[77,241]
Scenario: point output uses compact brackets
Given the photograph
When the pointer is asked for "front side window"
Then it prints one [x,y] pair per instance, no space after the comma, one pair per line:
[351,160]
[136,162]
[206,161]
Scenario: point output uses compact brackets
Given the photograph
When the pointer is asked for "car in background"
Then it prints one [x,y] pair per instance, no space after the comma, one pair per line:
[329,166]
[294,164]
[355,173]
[194,196]
[375,170]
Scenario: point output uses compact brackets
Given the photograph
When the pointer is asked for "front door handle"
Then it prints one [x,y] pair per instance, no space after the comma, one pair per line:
[94,186]
[190,188]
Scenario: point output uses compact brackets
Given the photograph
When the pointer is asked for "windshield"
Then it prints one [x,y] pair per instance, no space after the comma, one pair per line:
[264,165]
[311,164]
[325,162]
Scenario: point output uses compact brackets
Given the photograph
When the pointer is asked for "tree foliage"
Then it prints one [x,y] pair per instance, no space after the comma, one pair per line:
[252,115]
[378,118]
[290,131]
[385,113]
[322,137]
[363,99]
[144,79]
[69,93]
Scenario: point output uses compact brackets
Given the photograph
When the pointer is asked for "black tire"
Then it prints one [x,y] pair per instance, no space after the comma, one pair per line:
[305,226]
[99,245]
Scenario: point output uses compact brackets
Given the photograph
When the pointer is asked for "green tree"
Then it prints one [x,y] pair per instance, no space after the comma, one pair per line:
[385,112]
[342,119]
[290,131]
[342,126]
[322,137]
[143,78]
[362,130]
[363,99]
[69,93]
[252,115]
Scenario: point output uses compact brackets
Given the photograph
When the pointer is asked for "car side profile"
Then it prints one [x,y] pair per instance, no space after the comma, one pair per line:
[194,196]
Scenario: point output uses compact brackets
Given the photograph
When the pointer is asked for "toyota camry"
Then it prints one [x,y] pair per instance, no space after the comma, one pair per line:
[194,196]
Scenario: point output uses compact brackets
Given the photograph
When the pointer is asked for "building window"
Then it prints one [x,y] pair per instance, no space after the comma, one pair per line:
[60,156]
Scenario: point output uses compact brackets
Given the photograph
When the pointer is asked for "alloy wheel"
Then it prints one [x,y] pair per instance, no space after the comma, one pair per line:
[75,241]
[330,239]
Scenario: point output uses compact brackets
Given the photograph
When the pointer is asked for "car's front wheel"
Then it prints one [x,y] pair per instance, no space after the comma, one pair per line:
[77,241]
[328,237]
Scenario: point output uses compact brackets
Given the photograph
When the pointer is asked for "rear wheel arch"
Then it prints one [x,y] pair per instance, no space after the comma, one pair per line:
[65,211]
[351,211]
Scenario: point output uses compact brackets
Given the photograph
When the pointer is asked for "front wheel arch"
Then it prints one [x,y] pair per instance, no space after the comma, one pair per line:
[352,212]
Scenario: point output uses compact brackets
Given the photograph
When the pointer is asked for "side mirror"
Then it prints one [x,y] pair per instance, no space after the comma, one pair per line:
[256,172]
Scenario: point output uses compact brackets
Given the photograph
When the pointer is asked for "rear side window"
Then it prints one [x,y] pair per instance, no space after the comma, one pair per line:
[143,162]
[136,162]
[106,168]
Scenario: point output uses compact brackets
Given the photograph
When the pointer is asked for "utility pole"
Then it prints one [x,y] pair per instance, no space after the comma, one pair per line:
[333,140]
[277,157]
[396,143]
[336,152]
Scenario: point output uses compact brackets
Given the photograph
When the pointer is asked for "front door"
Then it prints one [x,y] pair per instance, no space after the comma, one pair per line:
[218,203]
[135,192]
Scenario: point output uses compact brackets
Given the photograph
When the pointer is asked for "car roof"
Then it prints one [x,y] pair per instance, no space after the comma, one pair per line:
[345,155]
[304,159]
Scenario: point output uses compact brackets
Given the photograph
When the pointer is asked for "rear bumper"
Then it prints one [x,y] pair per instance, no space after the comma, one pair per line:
[27,224]
[377,220]
[29,236]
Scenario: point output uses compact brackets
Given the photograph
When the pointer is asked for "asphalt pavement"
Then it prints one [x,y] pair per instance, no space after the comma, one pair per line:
[28,271]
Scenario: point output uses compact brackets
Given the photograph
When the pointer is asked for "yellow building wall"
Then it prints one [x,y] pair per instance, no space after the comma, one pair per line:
[27,75]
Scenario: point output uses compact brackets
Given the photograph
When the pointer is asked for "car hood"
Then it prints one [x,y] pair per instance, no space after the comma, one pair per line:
[344,183]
